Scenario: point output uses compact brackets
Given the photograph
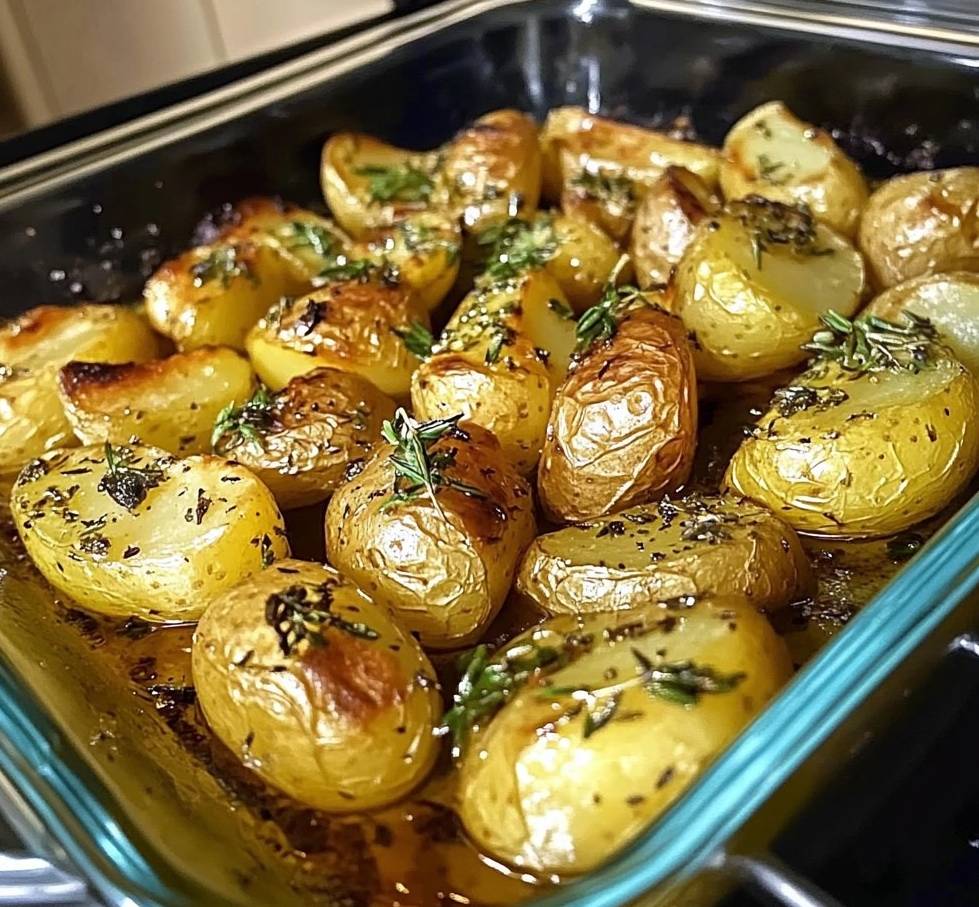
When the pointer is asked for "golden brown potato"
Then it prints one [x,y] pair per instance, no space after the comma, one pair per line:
[623,427]
[665,222]
[499,361]
[301,440]
[753,282]
[602,736]
[692,546]
[872,439]
[442,558]
[771,153]
[350,325]
[316,688]
[922,223]
[168,403]
[34,346]
[131,530]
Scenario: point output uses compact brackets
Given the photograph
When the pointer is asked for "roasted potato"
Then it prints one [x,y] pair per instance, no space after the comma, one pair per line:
[949,301]
[169,403]
[34,346]
[130,530]
[753,282]
[442,559]
[665,222]
[499,361]
[623,426]
[922,223]
[316,688]
[771,153]
[697,545]
[616,717]
[879,434]
[301,440]
[350,325]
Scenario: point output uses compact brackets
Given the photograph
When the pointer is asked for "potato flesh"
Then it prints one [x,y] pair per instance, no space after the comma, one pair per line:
[539,795]
[584,259]
[206,525]
[342,726]
[621,561]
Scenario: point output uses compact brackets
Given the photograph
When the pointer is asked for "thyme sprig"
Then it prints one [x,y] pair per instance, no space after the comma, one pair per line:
[125,483]
[516,246]
[797,398]
[296,616]
[245,424]
[401,183]
[301,234]
[417,338]
[222,264]
[604,185]
[600,322]
[873,344]
[771,223]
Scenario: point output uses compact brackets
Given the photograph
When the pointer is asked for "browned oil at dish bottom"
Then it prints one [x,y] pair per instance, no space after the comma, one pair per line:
[416,853]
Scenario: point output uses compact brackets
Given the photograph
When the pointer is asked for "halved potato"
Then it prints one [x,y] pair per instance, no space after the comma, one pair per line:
[665,222]
[34,346]
[616,716]
[301,440]
[753,282]
[922,223]
[443,563]
[350,325]
[772,153]
[130,530]
[692,546]
[169,403]
[949,301]
[860,453]
[623,426]
[499,361]
[316,688]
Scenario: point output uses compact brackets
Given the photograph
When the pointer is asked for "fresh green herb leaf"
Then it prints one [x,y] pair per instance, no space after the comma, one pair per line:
[296,616]
[516,246]
[561,308]
[342,268]
[424,239]
[774,224]
[245,424]
[607,186]
[125,483]
[403,183]
[601,714]
[222,264]
[599,323]
[500,336]
[768,170]
[417,338]
[302,234]
[872,344]
[682,682]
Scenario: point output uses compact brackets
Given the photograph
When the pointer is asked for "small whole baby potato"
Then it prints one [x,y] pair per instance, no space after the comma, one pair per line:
[316,689]
[922,223]
[617,716]
[862,446]
[753,282]
[692,546]
[350,325]
[665,222]
[34,346]
[301,440]
[131,530]
[771,153]
[442,560]
[169,403]
[623,426]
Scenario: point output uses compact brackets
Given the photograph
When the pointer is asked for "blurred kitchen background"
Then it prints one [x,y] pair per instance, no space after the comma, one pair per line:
[61,57]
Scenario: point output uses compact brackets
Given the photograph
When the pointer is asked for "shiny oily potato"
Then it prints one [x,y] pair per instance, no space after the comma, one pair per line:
[626,711]
[771,153]
[623,426]
[444,566]
[349,325]
[861,452]
[499,361]
[169,403]
[949,301]
[692,546]
[753,282]
[922,223]
[666,219]
[131,530]
[34,346]
[301,440]
[316,689]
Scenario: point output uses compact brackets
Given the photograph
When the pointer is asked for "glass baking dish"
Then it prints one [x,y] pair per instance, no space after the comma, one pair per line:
[106,769]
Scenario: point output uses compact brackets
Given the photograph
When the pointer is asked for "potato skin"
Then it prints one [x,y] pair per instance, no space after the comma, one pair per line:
[896,452]
[584,259]
[341,726]
[320,423]
[206,525]
[667,551]
[523,796]
[921,223]
[444,578]
[169,403]
[623,426]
